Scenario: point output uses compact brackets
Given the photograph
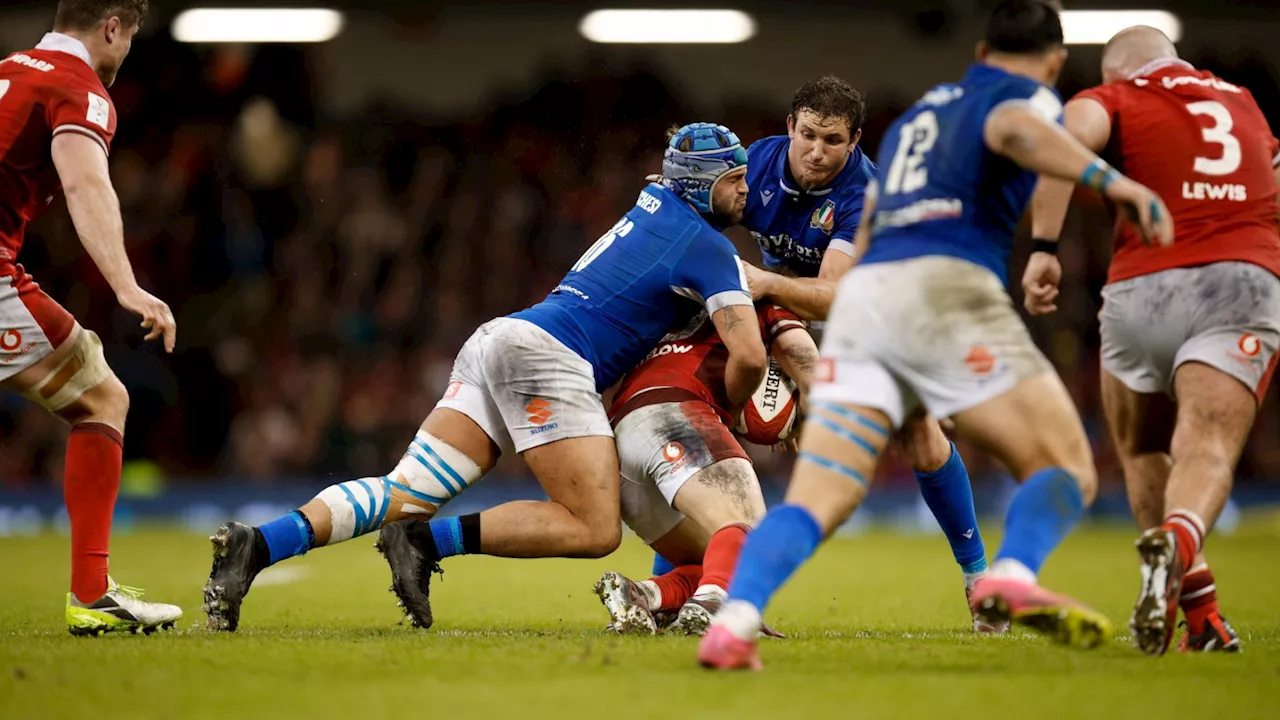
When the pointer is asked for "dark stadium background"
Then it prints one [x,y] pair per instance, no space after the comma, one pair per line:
[330,221]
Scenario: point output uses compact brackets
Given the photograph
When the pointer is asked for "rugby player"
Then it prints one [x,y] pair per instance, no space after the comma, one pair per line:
[807,193]
[56,126]
[924,319]
[688,488]
[530,383]
[1189,333]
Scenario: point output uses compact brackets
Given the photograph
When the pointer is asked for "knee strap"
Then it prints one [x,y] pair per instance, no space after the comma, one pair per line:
[78,373]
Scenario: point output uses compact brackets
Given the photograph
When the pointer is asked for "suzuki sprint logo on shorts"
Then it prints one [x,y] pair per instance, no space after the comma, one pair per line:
[540,414]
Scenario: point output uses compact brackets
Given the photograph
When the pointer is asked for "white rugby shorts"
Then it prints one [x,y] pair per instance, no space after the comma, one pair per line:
[524,387]
[934,330]
[1225,315]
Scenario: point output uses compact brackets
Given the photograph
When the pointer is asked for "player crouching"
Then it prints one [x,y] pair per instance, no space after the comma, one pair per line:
[688,488]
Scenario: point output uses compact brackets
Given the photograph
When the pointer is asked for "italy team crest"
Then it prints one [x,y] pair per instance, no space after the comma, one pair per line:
[824,218]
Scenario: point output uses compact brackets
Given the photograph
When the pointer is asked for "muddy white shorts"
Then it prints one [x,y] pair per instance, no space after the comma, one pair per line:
[934,330]
[1225,315]
[660,447]
[525,388]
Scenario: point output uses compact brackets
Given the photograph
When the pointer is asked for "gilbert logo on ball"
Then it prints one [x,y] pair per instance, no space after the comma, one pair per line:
[770,415]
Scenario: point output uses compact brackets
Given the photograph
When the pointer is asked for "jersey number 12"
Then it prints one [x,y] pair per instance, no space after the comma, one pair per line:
[907,172]
[620,229]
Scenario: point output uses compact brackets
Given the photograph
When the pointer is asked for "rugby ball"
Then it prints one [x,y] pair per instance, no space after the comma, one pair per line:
[770,415]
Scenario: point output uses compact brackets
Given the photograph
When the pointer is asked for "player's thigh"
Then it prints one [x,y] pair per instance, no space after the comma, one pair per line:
[839,450]
[581,474]
[684,544]
[1229,354]
[722,494]
[1032,427]
[1215,413]
[466,417]
[684,452]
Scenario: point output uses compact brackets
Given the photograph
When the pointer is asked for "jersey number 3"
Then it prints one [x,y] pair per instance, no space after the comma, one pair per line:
[1220,133]
[620,229]
[916,138]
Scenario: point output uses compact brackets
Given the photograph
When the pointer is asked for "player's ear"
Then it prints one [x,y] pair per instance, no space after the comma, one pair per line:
[111,29]
[857,135]
[981,51]
[791,123]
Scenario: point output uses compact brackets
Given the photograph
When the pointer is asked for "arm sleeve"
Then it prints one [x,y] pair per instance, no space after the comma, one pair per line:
[1029,94]
[775,320]
[72,107]
[847,219]
[710,272]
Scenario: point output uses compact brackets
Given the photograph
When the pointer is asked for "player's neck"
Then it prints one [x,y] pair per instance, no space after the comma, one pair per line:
[1028,67]
[87,41]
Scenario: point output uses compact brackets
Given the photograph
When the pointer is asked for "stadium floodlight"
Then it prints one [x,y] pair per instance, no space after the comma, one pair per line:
[257,25]
[1096,27]
[667,26]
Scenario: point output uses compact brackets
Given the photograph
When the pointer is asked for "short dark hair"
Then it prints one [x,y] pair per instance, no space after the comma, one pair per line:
[86,14]
[831,97]
[1024,27]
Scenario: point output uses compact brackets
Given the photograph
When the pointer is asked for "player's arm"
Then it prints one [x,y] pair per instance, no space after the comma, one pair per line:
[1090,123]
[797,355]
[1025,131]
[862,239]
[740,332]
[95,210]
[810,298]
[711,270]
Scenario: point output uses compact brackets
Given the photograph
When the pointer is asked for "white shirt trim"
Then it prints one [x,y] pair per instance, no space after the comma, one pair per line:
[83,131]
[67,44]
[1160,64]
[841,245]
[728,298]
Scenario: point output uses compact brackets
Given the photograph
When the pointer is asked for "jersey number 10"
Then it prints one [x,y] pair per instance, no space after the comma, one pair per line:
[620,229]
[907,173]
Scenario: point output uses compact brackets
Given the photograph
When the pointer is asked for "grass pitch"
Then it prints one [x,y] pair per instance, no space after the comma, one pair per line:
[876,623]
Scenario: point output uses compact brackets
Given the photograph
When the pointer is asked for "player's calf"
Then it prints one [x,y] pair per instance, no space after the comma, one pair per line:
[430,473]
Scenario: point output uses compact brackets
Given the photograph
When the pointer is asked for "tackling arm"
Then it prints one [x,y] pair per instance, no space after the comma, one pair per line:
[740,332]
[810,298]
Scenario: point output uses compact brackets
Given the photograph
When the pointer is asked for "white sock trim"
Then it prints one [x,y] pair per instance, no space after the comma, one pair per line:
[740,618]
[1010,569]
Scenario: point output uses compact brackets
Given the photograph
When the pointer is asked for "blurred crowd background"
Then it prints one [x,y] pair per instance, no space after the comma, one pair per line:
[326,263]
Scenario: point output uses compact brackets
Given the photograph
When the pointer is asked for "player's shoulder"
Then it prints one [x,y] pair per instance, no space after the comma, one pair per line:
[763,151]
[56,70]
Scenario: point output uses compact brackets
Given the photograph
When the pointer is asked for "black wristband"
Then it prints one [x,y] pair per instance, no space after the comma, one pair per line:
[1044,246]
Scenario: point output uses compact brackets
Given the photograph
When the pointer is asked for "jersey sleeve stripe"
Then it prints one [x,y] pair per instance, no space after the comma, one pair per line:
[787,324]
[841,245]
[728,298]
[83,131]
